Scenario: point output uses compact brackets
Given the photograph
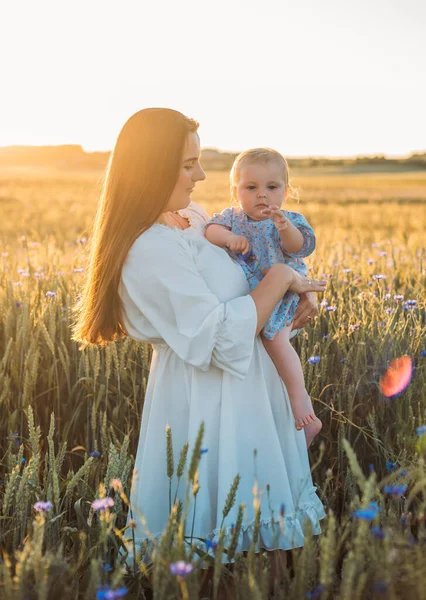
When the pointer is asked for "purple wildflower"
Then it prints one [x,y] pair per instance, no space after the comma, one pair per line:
[324,303]
[210,544]
[43,506]
[379,277]
[378,532]
[367,514]
[181,568]
[106,593]
[18,304]
[80,270]
[347,270]
[95,454]
[316,592]
[370,261]
[395,489]
[380,587]
[398,297]
[387,296]
[423,354]
[50,294]
[331,308]
[314,360]
[102,503]
[389,311]
[390,466]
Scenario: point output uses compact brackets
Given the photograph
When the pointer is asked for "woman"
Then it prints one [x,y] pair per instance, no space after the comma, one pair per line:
[155,277]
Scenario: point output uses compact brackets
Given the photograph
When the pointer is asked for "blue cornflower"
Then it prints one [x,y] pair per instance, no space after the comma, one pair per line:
[204,450]
[50,294]
[398,297]
[379,277]
[423,354]
[390,466]
[403,472]
[372,468]
[367,514]
[18,304]
[316,592]
[102,503]
[95,453]
[314,360]
[210,544]
[325,337]
[395,489]
[411,302]
[331,308]
[13,436]
[389,311]
[106,567]
[106,593]
[378,532]
[43,506]
[380,587]
[421,430]
[181,568]
[282,509]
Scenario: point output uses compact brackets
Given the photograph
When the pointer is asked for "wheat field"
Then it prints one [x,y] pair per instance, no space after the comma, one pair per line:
[70,419]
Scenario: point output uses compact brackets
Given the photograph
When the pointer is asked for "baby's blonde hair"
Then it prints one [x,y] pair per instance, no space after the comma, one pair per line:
[259,155]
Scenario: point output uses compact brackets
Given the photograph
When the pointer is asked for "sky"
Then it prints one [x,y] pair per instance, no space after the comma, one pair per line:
[307,77]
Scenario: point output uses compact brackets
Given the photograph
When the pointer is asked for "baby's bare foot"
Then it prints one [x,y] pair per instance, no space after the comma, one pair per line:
[312,430]
[302,419]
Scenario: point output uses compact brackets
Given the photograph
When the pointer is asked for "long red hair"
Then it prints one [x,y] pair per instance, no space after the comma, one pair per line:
[141,174]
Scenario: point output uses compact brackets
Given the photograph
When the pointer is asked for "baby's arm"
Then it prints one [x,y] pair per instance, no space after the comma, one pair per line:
[291,237]
[224,238]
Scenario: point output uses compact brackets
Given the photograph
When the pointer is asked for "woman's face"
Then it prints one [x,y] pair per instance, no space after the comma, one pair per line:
[190,172]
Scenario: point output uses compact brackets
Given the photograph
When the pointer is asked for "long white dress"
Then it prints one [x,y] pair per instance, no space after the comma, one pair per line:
[191,302]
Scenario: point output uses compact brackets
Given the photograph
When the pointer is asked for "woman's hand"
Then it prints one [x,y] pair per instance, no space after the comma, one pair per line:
[301,284]
[306,310]
[238,243]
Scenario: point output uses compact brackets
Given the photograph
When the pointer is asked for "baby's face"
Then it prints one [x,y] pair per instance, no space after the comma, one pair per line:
[259,186]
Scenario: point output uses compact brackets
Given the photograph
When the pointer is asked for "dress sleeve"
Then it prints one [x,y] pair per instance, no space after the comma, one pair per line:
[225,218]
[306,230]
[162,280]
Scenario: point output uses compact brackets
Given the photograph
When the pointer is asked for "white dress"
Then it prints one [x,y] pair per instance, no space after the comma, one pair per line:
[191,302]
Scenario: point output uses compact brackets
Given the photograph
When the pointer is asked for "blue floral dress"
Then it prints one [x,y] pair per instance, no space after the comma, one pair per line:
[265,250]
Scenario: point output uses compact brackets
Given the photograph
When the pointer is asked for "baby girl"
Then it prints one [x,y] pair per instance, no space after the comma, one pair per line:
[258,234]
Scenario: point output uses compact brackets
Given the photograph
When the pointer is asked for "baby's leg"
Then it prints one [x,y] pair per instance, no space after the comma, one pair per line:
[289,368]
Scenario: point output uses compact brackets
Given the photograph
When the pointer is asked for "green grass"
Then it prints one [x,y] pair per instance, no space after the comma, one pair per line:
[371,224]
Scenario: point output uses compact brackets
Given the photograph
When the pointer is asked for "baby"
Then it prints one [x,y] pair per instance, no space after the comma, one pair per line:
[257,235]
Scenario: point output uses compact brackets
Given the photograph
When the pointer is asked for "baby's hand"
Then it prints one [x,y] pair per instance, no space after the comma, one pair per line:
[238,243]
[275,214]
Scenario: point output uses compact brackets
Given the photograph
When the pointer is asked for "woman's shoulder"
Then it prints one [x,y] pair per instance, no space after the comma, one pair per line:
[157,241]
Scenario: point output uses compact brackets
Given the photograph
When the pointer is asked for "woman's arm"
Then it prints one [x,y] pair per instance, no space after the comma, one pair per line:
[277,281]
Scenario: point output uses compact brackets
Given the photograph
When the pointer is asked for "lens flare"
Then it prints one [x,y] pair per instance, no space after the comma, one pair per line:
[397,377]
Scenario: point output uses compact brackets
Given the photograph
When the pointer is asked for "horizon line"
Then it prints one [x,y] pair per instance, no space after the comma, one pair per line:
[224,151]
